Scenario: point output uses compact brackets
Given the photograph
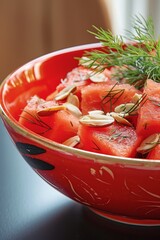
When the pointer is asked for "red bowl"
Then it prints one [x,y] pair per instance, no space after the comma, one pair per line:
[122,189]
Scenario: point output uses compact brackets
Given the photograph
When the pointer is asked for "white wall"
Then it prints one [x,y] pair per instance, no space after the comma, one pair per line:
[122,11]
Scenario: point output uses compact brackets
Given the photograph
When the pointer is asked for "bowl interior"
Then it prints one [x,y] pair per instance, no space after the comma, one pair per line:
[40,77]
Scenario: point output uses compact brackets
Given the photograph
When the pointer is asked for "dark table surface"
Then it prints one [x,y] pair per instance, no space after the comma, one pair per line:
[31,209]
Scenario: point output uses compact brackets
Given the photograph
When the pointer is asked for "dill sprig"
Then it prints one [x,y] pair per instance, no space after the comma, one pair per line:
[112,97]
[36,120]
[133,62]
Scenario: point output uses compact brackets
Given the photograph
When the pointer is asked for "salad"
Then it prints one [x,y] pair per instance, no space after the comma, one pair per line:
[109,103]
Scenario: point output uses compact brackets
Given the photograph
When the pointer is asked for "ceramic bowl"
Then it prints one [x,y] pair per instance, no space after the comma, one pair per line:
[122,189]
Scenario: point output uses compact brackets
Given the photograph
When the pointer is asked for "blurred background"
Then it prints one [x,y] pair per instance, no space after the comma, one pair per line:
[31,28]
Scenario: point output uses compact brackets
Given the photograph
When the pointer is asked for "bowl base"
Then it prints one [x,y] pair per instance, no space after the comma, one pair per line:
[126,220]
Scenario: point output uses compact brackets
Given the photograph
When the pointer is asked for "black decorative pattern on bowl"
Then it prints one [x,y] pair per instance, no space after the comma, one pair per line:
[29,149]
[38,163]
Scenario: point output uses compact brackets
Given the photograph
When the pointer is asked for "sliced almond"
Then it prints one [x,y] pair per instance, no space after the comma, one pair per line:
[90,121]
[120,119]
[86,62]
[129,108]
[98,77]
[48,111]
[149,143]
[65,92]
[73,109]
[72,142]
[73,99]
[136,98]
[98,115]
[95,112]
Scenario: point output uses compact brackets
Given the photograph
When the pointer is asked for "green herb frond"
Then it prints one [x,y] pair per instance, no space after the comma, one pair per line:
[144,29]
[106,38]
[134,62]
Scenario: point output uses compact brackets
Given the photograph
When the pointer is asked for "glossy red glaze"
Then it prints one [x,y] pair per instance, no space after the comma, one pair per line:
[110,185]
